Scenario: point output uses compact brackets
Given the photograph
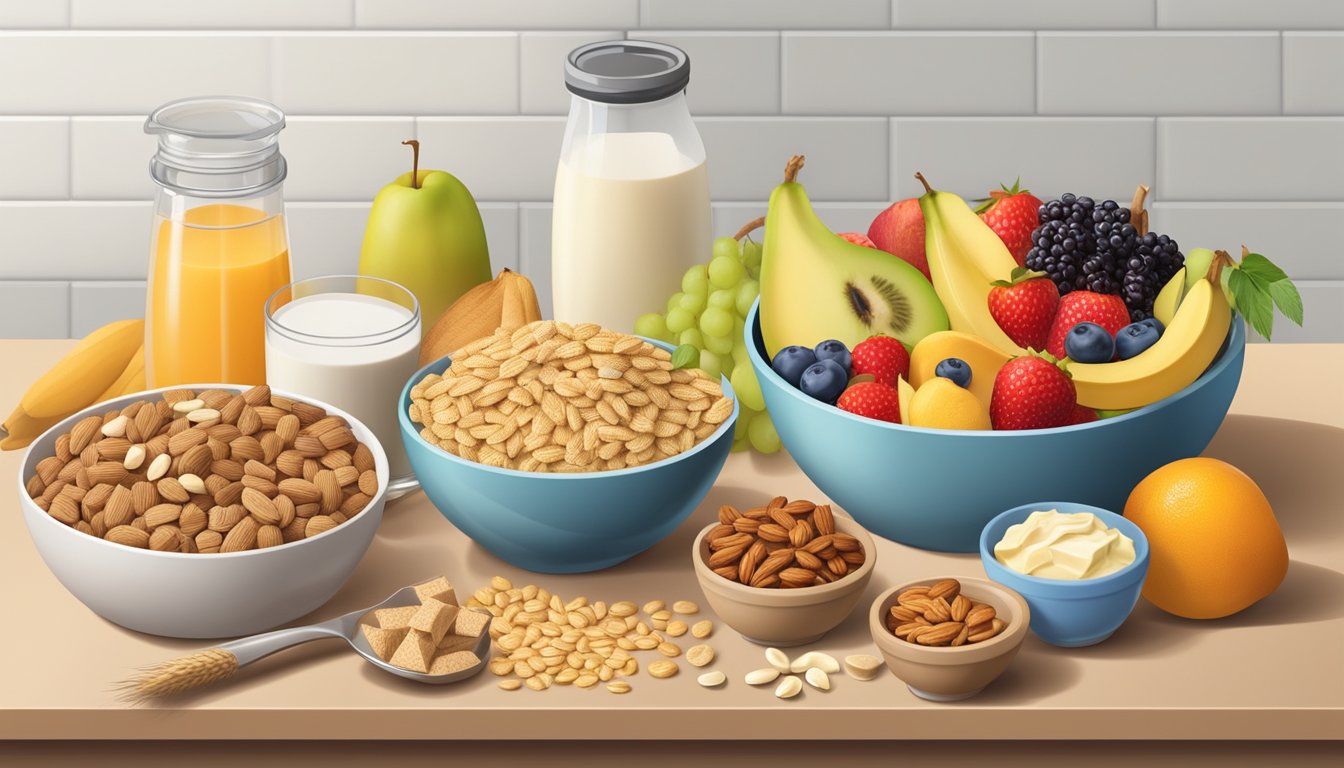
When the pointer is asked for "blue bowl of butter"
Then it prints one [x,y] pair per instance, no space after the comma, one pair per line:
[1080,568]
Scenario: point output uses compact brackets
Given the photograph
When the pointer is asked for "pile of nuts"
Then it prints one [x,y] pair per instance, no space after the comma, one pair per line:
[214,471]
[551,397]
[550,641]
[785,544]
[939,615]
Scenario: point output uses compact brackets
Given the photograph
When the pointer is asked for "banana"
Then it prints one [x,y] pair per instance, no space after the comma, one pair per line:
[1169,298]
[1190,342]
[965,256]
[508,301]
[86,371]
[132,378]
[20,429]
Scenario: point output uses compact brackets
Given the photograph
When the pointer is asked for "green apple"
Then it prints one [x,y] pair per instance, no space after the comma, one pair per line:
[425,232]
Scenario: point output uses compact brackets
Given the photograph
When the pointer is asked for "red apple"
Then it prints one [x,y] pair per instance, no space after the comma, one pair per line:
[899,230]
[857,238]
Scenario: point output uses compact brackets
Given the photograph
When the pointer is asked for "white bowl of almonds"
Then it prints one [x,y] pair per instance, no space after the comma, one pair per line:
[204,511]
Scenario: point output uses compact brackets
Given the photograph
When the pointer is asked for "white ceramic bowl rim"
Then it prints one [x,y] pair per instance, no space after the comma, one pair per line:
[1095,586]
[368,438]
[783,598]
[408,427]
[1237,333]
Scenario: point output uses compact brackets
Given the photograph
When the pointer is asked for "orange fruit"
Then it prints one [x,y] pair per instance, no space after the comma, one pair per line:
[1215,547]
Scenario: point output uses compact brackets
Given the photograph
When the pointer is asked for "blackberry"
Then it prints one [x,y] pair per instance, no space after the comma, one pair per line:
[1084,245]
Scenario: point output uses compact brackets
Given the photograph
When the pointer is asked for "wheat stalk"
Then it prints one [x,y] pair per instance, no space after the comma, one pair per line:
[178,675]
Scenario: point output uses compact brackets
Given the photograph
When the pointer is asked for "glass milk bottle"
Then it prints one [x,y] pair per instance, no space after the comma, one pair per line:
[219,246]
[631,211]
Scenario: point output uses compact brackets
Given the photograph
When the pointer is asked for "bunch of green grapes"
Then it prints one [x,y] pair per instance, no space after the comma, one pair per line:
[709,313]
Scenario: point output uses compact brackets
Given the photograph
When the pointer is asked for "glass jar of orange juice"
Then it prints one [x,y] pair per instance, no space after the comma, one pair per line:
[219,247]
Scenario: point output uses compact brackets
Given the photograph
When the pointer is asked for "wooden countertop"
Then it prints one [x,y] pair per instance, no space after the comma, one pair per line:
[1274,671]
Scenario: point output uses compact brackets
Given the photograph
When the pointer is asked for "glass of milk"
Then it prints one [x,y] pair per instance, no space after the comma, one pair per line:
[631,210]
[350,341]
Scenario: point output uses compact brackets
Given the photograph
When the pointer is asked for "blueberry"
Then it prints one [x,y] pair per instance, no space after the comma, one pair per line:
[824,380]
[1134,338]
[837,351]
[956,369]
[790,362]
[1089,343]
[1155,323]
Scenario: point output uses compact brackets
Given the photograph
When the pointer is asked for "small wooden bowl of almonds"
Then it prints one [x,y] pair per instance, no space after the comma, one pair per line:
[204,511]
[948,638]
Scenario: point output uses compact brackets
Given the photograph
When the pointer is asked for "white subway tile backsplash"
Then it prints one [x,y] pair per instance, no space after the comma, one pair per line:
[93,304]
[34,14]
[846,157]
[34,158]
[501,234]
[1250,14]
[1100,157]
[398,73]
[542,70]
[211,14]
[1312,63]
[732,73]
[74,240]
[534,243]
[902,73]
[496,14]
[109,158]
[764,14]
[325,238]
[100,73]
[1322,315]
[1022,14]
[344,158]
[34,310]
[1222,73]
[503,159]
[1285,158]
[1297,236]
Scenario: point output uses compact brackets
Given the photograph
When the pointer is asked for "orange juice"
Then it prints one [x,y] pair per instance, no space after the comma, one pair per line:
[213,269]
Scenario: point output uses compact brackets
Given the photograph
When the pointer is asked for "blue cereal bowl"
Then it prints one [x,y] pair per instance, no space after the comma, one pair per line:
[564,523]
[1071,613]
[936,488]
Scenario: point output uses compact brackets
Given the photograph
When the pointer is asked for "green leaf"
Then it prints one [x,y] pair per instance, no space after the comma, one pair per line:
[1253,302]
[1261,268]
[686,356]
[1287,299]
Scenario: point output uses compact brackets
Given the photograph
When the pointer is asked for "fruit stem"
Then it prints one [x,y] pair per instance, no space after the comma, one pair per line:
[1137,215]
[415,162]
[1221,259]
[792,168]
[749,227]
[927,189]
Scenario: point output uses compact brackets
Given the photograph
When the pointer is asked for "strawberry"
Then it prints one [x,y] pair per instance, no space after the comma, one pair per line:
[1024,306]
[1082,415]
[857,238]
[872,399]
[883,357]
[1085,307]
[1032,392]
[1011,213]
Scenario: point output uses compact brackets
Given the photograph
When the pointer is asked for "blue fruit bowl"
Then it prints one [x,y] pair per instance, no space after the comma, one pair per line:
[936,488]
[564,523]
[1071,613]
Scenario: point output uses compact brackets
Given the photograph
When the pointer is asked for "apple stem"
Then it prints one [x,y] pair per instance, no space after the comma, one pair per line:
[1137,215]
[927,189]
[749,227]
[415,162]
[792,168]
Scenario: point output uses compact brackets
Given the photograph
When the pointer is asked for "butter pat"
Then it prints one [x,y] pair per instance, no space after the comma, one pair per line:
[1053,545]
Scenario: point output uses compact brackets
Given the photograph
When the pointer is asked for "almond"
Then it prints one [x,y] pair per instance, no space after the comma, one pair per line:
[300,490]
[242,536]
[128,536]
[260,506]
[979,615]
[940,634]
[947,589]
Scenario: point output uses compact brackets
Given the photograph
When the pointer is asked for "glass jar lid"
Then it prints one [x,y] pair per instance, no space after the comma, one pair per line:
[217,146]
[627,71]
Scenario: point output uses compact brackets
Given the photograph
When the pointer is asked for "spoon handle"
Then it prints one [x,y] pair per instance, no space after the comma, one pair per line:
[250,649]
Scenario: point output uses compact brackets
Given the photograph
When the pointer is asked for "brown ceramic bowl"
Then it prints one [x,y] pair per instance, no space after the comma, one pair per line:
[784,617]
[951,674]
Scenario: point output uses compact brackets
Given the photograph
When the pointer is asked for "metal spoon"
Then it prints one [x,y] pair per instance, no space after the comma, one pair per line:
[215,664]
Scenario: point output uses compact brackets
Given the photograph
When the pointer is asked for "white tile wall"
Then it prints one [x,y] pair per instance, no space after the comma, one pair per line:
[1231,109]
